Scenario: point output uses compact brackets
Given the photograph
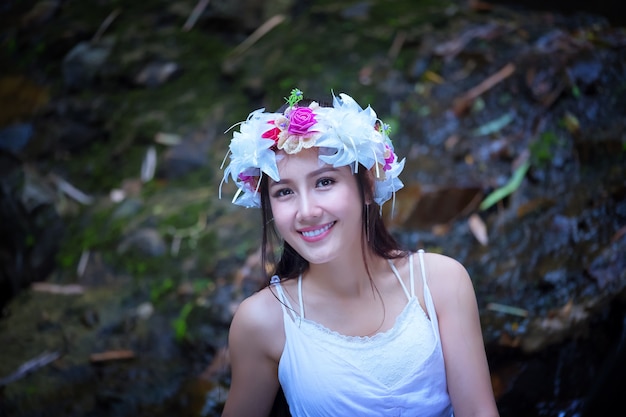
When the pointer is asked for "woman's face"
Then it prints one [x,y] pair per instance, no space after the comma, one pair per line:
[316,207]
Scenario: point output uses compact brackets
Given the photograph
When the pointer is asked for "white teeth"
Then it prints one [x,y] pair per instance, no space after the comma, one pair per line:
[317,232]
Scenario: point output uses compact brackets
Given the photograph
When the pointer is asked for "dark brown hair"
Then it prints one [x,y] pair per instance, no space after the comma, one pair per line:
[287,263]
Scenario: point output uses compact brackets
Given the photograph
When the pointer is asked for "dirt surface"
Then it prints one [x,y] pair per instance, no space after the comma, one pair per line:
[120,267]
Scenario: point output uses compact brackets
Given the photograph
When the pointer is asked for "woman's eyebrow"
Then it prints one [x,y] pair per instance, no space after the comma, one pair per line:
[315,173]
[322,170]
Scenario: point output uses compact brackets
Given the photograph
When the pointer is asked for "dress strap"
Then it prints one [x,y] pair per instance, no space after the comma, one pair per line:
[421,255]
[284,301]
[300,296]
[397,274]
[430,305]
[411,278]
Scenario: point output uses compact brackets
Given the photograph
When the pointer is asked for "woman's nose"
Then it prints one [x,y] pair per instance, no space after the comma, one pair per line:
[308,206]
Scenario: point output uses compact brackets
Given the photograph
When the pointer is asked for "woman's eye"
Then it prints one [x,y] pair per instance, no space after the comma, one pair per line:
[282,192]
[325,182]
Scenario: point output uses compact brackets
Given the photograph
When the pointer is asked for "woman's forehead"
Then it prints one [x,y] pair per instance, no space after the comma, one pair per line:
[305,157]
[303,163]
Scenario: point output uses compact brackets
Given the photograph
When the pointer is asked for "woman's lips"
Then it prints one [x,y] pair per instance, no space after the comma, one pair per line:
[316,233]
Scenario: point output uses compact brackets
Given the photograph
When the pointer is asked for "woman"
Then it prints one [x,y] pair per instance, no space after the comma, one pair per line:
[350,324]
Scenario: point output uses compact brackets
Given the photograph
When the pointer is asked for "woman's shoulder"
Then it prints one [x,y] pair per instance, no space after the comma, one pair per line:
[258,321]
[442,270]
[259,313]
[448,279]
[260,308]
[439,260]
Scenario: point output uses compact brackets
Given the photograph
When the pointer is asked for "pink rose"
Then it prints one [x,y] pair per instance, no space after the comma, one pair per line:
[300,120]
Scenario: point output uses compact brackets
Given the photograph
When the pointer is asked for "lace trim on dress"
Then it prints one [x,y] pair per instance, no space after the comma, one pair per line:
[398,326]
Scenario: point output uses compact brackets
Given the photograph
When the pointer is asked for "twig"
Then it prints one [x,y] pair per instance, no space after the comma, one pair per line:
[105,25]
[266,27]
[502,308]
[396,46]
[195,14]
[191,232]
[70,289]
[111,355]
[82,263]
[30,366]
[462,103]
[71,191]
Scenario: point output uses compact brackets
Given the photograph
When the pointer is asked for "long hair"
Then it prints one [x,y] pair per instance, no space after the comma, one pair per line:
[281,259]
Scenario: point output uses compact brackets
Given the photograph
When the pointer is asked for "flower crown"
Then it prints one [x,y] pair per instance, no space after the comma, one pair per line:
[345,133]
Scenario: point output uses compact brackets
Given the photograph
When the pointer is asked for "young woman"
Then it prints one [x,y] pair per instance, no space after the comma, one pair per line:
[350,324]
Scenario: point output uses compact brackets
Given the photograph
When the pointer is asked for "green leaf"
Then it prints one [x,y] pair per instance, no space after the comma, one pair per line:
[494,125]
[507,189]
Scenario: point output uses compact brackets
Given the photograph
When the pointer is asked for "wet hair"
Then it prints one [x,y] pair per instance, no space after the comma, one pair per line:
[288,263]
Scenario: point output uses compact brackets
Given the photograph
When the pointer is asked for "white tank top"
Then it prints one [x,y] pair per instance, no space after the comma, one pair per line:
[399,372]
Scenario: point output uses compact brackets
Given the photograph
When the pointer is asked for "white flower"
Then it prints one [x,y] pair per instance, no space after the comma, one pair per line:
[347,133]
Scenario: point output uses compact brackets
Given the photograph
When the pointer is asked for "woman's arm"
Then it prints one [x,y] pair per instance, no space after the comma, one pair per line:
[254,348]
[469,382]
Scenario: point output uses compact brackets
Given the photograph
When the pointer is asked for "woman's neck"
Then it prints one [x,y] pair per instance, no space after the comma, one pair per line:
[347,277]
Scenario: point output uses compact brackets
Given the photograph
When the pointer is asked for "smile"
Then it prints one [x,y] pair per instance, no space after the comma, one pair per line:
[317,232]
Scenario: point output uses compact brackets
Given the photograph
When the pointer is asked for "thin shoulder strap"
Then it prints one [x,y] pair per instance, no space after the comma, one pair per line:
[300,296]
[421,255]
[284,301]
[397,274]
[430,305]
[411,278]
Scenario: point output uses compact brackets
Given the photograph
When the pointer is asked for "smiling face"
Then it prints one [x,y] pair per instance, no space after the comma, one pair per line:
[317,208]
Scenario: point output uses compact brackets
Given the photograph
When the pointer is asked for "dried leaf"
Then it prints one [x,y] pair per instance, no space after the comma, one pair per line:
[571,123]
[168,139]
[478,228]
[71,289]
[502,308]
[112,355]
[148,166]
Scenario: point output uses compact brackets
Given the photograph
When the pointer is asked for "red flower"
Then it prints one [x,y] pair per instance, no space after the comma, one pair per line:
[271,134]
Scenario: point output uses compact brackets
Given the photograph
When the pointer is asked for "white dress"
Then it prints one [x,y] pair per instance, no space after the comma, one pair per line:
[399,372]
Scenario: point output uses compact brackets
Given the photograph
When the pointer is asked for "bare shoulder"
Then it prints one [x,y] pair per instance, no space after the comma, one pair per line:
[444,265]
[446,275]
[258,321]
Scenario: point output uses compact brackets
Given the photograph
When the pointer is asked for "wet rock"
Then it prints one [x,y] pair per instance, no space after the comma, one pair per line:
[29,225]
[188,155]
[247,15]
[357,11]
[25,97]
[144,241]
[82,64]
[156,73]
[90,318]
[426,206]
[15,137]
[555,239]
[41,12]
